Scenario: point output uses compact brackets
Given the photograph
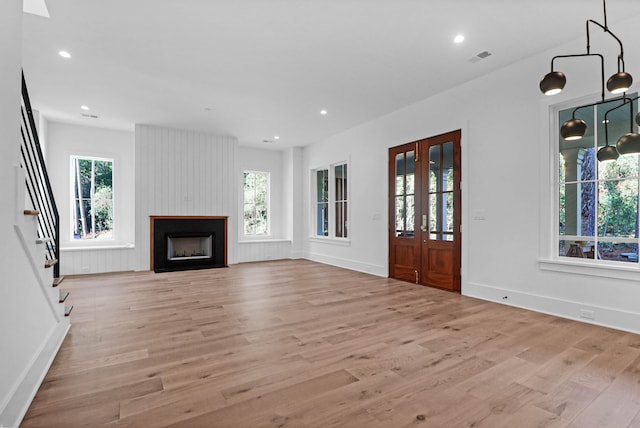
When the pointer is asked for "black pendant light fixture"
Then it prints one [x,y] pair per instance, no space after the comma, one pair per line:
[629,143]
[553,83]
[619,82]
[607,154]
[574,129]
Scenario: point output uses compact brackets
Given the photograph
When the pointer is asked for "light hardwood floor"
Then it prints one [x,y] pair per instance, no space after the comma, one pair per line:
[301,344]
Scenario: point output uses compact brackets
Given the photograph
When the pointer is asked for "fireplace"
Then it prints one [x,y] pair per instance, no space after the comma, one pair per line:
[188,242]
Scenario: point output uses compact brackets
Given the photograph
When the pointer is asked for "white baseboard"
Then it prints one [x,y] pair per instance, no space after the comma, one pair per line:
[349,264]
[23,393]
[591,314]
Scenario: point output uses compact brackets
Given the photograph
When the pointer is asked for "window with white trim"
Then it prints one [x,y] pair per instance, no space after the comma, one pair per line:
[91,198]
[330,201]
[598,201]
[256,203]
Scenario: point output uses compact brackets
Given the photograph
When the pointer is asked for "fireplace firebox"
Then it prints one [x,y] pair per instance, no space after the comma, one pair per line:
[188,242]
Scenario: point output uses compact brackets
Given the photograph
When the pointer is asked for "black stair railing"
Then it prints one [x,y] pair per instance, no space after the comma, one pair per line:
[38,184]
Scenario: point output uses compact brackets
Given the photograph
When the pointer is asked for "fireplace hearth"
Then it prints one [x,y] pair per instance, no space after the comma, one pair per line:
[188,242]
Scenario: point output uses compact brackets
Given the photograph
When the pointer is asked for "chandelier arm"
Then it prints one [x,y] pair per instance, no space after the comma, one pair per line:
[626,100]
[581,55]
[606,30]
[586,24]
[610,100]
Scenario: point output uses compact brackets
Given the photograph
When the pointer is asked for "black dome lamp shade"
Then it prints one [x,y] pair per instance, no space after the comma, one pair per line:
[573,129]
[619,82]
[607,154]
[553,83]
[629,144]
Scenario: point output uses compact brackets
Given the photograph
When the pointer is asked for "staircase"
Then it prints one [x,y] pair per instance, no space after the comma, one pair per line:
[37,320]
[42,212]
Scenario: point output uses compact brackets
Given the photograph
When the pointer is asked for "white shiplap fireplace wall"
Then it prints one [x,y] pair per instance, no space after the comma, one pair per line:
[182,172]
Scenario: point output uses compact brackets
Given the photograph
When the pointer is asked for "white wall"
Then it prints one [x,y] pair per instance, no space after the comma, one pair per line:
[26,322]
[506,154]
[65,140]
[182,172]
[293,218]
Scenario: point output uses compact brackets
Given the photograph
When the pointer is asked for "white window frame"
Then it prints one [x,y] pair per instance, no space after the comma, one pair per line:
[331,202]
[243,233]
[550,259]
[72,184]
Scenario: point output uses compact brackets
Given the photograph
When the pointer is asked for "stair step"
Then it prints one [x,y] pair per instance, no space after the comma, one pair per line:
[67,310]
[63,296]
[57,281]
[31,212]
[43,240]
[50,263]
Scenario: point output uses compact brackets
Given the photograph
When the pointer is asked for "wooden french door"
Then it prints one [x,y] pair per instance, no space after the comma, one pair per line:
[424,211]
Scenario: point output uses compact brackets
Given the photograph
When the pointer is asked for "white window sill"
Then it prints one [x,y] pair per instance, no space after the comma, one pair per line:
[591,268]
[101,246]
[328,240]
[263,241]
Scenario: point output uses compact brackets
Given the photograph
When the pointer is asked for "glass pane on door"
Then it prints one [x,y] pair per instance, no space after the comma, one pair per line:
[447,166]
[434,169]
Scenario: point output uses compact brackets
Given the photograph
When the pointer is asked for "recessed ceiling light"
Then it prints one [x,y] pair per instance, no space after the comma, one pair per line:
[84,108]
[458,39]
[277,137]
[323,112]
[64,54]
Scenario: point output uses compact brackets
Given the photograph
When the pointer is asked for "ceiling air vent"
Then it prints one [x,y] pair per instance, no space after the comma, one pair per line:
[92,116]
[478,57]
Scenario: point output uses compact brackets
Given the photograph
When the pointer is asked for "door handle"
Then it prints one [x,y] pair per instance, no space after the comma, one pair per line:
[423,227]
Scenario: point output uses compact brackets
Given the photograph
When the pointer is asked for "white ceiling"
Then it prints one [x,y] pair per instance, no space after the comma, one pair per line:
[254,69]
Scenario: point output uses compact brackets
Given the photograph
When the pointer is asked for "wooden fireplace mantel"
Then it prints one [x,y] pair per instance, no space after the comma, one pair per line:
[152,219]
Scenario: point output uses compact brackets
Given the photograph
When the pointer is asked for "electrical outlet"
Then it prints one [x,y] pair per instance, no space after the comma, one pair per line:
[587,314]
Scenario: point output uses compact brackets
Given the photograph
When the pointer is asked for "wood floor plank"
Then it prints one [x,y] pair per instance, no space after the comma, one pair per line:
[295,343]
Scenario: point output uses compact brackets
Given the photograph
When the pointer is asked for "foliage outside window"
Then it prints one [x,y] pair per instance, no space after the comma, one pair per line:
[405,194]
[322,202]
[340,177]
[331,201]
[92,196]
[256,203]
[598,202]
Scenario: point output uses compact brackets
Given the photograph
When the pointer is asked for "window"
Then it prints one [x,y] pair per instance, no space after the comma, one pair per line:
[331,203]
[256,203]
[92,198]
[598,202]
